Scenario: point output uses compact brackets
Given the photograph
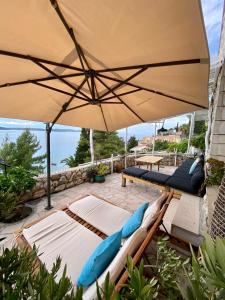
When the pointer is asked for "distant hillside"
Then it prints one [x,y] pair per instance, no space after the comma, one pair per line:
[39,129]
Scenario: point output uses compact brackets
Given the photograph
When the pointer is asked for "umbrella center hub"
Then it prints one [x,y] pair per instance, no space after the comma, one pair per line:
[90,73]
[95,102]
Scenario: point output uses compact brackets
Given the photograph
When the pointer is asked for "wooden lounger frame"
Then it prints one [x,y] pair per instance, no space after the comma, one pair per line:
[21,241]
[151,232]
[176,193]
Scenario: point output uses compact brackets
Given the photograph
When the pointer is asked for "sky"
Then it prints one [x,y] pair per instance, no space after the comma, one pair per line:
[212,13]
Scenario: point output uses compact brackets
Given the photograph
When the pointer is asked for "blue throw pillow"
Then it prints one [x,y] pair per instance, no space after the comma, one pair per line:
[134,222]
[100,259]
[193,166]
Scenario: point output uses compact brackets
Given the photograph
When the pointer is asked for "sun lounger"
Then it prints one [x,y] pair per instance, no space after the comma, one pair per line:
[60,235]
[101,214]
[64,234]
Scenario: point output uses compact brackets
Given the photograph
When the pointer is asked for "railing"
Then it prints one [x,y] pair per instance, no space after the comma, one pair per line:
[113,158]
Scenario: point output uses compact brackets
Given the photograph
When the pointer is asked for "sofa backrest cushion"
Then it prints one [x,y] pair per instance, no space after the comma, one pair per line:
[152,211]
[197,179]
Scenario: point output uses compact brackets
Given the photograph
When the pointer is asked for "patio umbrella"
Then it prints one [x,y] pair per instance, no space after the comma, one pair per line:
[101,64]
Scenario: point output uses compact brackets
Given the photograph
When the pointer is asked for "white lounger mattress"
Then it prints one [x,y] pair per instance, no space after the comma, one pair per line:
[104,216]
[60,235]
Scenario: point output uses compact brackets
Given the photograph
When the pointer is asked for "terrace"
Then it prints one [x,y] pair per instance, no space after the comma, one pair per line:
[109,73]
[128,198]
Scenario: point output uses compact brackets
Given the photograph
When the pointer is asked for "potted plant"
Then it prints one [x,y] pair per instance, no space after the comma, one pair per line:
[91,173]
[102,170]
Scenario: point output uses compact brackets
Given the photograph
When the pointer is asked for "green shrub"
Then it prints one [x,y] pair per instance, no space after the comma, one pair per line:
[161,145]
[138,286]
[168,269]
[180,147]
[9,203]
[198,141]
[17,181]
[207,279]
[216,172]
[173,277]
[12,187]
[20,280]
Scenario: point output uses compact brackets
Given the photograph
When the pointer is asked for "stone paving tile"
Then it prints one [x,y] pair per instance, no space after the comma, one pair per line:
[128,198]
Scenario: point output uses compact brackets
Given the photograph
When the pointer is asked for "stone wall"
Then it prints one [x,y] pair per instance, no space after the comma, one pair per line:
[75,176]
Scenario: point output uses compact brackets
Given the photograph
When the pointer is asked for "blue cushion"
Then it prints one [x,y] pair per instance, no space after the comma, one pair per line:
[100,259]
[193,166]
[134,222]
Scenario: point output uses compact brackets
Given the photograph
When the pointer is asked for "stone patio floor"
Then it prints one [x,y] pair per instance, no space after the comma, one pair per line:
[128,198]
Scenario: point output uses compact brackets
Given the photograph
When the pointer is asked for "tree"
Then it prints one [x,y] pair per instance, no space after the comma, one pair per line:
[132,142]
[22,152]
[161,145]
[107,143]
[199,141]
[181,146]
[184,128]
[200,127]
[82,153]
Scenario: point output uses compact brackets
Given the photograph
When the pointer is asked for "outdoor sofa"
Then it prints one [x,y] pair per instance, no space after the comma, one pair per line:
[74,232]
[180,180]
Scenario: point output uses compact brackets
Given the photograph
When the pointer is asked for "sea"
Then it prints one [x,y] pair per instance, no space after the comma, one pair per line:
[63,144]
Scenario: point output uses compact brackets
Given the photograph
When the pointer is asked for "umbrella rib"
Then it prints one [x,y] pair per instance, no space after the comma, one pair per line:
[124,103]
[59,78]
[153,91]
[57,90]
[65,105]
[122,82]
[154,65]
[45,61]
[103,115]
[72,36]
[122,94]
[38,79]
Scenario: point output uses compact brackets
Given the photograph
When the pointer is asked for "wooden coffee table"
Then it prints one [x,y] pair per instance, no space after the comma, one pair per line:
[149,161]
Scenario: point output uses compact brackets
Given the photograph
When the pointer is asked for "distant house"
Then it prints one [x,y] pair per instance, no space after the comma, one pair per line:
[140,148]
[171,138]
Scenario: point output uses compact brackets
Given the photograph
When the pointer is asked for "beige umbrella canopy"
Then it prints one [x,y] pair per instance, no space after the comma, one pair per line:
[102,64]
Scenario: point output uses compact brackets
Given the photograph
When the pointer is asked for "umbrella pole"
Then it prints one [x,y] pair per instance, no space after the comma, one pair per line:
[48,146]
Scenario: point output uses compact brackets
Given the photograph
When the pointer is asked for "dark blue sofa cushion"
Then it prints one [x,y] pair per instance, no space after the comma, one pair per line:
[133,171]
[184,169]
[181,183]
[197,179]
[156,177]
